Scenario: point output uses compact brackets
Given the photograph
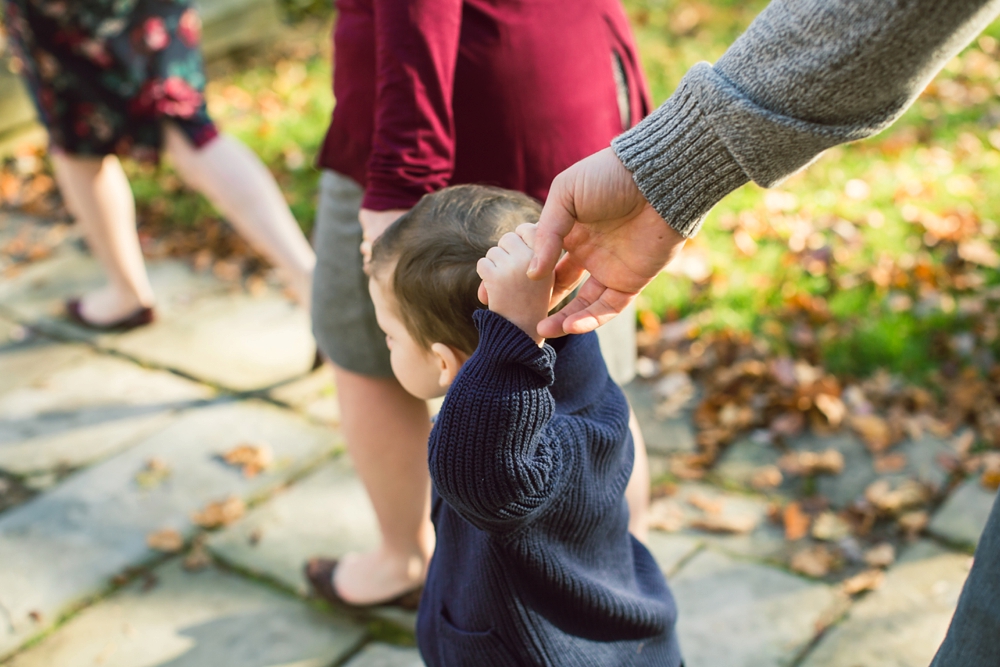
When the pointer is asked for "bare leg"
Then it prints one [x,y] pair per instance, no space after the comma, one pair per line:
[637,491]
[98,195]
[234,179]
[386,431]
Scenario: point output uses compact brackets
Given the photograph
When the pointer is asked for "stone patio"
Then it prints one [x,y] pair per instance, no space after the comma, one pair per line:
[115,437]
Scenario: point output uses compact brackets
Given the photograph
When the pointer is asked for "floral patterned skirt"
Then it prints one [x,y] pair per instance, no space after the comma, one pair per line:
[105,74]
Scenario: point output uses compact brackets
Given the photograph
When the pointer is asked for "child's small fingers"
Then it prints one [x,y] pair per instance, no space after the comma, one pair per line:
[526,231]
[485,268]
[515,246]
[497,255]
[484,296]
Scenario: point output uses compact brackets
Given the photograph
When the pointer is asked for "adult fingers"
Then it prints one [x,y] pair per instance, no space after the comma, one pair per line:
[569,274]
[555,223]
[605,308]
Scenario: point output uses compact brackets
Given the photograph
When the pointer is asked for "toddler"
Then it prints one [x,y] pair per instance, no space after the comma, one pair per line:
[529,456]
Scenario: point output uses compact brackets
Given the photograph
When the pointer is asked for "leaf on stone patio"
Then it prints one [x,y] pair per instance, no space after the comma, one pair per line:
[892,501]
[722,523]
[166,540]
[220,513]
[814,561]
[881,555]
[830,528]
[706,503]
[198,558]
[687,467]
[254,458]
[153,474]
[788,424]
[766,477]
[829,462]
[796,522]
[990,480]
[874,430]
[887,463]
[665,514]
[913,523]
[868,580]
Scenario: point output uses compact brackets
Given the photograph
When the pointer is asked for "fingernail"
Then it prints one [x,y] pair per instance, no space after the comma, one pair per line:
[533,265]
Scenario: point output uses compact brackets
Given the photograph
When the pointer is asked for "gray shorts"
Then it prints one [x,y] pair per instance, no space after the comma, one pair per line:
[342,312]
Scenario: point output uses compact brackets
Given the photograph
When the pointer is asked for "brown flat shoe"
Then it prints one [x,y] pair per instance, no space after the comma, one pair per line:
[139,318]
[319,574]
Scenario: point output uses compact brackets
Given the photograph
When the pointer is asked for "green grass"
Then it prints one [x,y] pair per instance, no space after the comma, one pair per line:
[889,296]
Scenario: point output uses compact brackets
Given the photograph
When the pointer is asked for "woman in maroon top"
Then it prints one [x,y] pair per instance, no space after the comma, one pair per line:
[433,93]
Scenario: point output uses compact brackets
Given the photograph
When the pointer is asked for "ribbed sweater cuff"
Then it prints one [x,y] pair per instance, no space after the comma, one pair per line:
[503,341]
[679,163]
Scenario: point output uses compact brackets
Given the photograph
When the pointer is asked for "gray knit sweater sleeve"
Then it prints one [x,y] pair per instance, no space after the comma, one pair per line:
[806,75]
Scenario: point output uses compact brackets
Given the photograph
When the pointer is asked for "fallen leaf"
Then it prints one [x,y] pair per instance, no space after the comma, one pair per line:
[979,252]
[893,462]
[35,616]
[990,480]
[814,561]
[166,540]
[153,474]
[253,458]
[664,514]
[881,555]
[686,470]
[198,558]
[796,522]
[913,523]
[892,501]
[721,523]
[705,503]
[868,580]
[830,462]
[220,513]
[874,430]
[830,528]
[766,477]
[832,408]
[788,424]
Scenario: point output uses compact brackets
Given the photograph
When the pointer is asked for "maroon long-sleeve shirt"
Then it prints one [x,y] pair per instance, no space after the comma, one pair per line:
[433,93]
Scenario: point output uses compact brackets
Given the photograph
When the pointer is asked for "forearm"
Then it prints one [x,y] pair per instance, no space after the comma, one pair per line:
[806,75]
[488,456]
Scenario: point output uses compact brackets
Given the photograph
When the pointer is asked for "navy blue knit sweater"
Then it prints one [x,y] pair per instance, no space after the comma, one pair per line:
[534,565]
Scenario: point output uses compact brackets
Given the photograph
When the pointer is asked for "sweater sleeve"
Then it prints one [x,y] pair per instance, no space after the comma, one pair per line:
[805,76]
[492,456]
[413,146]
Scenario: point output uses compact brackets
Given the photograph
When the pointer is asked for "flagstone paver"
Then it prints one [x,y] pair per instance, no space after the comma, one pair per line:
[378,654]
[65,544]
[662,435]
[313,395]
[327,513]
[742,614]
[26,358]
[670,551]
[238,341]
[902,623]
[963,516]
[87,410]
[208,618]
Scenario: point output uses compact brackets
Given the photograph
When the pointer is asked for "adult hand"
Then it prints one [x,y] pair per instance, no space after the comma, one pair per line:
[597,213]
[373,224]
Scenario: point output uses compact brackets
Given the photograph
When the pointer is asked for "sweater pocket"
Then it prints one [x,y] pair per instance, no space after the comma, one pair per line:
[462,648]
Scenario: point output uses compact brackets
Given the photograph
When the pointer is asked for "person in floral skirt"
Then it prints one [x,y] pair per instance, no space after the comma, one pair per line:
[125,78]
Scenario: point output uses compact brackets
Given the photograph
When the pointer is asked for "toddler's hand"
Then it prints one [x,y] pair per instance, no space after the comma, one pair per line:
[506,286]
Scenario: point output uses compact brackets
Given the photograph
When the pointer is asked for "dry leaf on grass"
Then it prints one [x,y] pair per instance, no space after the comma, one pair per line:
[254,458]
[720,523]
[881,555]
[868,580]
[166,540]
[220,513]
[796,522]
[814,561]
[830,462]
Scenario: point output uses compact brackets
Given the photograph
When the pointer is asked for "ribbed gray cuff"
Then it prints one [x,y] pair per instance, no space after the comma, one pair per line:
[679,163]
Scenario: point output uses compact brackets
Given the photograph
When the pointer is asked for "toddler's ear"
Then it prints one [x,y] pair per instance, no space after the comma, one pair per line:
[449,362]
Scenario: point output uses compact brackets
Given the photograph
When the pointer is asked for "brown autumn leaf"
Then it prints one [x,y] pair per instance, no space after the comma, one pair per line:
[868,580]
[664,514]
[887,463]
[881,555]
[766,477]
[788,424]
[796,522]
[198,558]
[254,458]
[829,462]
[220,513]
[687,468]
[895,500]
[979,252]
[706,503]
[722,523]
[153,474]
[913,523]
[166,540]
[832,408]
[813,561]
[990,480]
[874,430]
[830,528]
